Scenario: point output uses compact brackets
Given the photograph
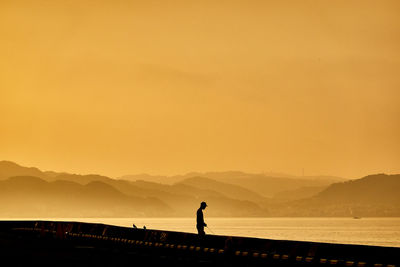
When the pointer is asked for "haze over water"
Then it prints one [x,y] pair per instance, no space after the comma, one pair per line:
[365,231]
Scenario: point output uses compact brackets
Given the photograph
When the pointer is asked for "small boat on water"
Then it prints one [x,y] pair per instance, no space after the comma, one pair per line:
[354,216]
[54,243]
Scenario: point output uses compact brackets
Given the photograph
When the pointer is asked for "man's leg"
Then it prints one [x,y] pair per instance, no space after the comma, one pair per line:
[200,230]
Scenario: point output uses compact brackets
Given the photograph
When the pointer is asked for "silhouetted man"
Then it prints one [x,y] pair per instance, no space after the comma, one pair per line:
[200,219]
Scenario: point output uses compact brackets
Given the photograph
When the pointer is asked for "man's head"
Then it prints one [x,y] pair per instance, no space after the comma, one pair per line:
[203,205]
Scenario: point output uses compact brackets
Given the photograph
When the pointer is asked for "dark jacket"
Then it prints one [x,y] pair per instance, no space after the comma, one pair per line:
[200,218]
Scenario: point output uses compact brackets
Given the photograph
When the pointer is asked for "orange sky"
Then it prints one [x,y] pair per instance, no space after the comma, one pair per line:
[167,87]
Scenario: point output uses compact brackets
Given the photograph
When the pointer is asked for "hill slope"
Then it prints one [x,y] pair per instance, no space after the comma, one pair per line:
[373,195]
[372,189]
[28,196]
[9,169]
[229,190]
[262,184]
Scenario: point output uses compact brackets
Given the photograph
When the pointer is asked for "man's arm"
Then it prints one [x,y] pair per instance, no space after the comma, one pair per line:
[201,217]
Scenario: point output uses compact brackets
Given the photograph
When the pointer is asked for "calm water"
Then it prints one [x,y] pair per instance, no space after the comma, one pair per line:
[368,231]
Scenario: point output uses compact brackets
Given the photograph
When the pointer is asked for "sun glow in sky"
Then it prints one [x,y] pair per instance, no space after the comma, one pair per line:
[168,87]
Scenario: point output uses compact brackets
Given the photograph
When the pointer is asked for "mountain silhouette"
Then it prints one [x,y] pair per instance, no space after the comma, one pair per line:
[262,184]
[30,192]
[62,194]
[28,196]
[373,195]
[372,189]
[9,169]
[229,190]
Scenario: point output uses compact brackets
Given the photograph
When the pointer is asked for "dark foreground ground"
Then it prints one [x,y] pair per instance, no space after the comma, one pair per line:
[46,243]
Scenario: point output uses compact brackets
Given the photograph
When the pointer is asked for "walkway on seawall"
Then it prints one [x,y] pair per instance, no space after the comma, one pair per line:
[54,243]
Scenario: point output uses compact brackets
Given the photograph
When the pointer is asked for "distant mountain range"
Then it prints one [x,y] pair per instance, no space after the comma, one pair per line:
[28,196]
[262,184]
[373,195]
[30,192]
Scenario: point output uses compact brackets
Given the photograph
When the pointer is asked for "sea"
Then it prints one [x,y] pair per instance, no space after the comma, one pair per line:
[364,231]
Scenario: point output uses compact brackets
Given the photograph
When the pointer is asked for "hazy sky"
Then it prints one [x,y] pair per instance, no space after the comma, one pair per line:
[167,87]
